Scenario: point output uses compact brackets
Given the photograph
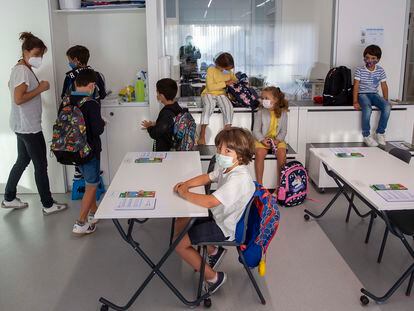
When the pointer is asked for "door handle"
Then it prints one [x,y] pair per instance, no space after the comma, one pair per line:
[111,114]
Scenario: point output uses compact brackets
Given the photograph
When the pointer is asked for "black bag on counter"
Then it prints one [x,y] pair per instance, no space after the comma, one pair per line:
[337,90]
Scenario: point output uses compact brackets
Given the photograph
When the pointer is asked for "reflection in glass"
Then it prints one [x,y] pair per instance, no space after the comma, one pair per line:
[279,42]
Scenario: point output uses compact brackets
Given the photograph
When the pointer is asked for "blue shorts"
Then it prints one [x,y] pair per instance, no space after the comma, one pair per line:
[90,171]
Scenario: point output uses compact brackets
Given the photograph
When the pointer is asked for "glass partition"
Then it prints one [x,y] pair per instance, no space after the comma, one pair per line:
[287,43]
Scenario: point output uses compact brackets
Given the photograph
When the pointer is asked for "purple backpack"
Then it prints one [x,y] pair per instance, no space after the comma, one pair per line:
[293,184]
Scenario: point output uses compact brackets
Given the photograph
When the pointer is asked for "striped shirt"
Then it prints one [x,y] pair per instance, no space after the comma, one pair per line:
[369,80]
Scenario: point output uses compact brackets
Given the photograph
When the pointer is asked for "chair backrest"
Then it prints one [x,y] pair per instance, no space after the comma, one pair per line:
[211,166]
[241,227]
[403,155]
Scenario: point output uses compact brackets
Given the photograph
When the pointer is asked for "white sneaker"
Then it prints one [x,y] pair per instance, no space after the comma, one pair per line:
[92,220]
[370,142]
[380,139]
[55,208]
[86,228]
[16,204]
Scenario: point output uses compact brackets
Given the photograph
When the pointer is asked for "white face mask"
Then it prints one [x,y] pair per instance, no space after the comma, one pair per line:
[224,161]
[267,104]
[35,62]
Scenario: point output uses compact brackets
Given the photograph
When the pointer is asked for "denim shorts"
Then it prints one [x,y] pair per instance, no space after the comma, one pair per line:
[205,230]
[90,171]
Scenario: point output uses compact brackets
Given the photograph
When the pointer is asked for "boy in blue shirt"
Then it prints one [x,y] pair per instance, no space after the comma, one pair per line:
[365,95]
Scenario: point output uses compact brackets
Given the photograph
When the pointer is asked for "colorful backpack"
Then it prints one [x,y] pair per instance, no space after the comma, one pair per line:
[184,132]
[69,142]
[241,94]
[293,184]
[264,217]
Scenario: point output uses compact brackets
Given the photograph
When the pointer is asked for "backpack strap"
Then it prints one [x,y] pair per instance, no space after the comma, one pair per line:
[84,100]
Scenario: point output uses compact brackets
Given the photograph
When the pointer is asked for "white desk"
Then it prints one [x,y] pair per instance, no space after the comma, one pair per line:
[357,175]
[161,178]
[158,177]
[376,167]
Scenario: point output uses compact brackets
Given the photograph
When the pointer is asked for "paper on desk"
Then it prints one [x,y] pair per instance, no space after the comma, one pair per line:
[397,195]
[128,204]
[347,152]
[150,157]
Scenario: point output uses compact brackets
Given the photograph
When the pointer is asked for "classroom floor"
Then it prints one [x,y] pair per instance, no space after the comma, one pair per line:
[310,266]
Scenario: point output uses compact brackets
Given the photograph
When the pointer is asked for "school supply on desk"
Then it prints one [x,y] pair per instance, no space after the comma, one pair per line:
[394,192]
[347,153]
[150,157]
[381,187]
[136,200]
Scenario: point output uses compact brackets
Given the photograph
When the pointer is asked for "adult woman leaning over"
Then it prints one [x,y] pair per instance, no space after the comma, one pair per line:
[25,121]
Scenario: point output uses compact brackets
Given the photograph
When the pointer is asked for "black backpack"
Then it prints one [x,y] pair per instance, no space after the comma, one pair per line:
[337,90]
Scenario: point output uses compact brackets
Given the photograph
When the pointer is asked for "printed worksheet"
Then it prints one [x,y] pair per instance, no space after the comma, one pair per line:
[138,203]
[397,195]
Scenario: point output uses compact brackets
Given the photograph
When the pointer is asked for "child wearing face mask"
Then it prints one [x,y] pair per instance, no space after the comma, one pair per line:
[235,149]
[218,78]
[78,57]
[365,95]
[26,123]
[91,110]
[270,129]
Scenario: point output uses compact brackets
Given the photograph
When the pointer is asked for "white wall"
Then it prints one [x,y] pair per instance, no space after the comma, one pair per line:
[17,16]
[353,15]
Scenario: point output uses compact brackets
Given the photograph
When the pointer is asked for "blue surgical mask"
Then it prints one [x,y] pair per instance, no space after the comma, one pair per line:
[72,65]
[226,71]
[224,161]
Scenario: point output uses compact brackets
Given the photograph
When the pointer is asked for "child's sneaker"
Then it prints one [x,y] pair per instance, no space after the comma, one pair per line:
[380,139]
[78,174]
[92,220]
[55,208]
[16,204]
[213,287]
[80,229]
[370,142]
[215,260]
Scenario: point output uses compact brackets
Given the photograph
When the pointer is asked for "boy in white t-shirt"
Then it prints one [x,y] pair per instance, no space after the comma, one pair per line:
[235,150]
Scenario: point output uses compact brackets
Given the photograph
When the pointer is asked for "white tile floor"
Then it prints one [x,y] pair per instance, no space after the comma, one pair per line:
[310,266]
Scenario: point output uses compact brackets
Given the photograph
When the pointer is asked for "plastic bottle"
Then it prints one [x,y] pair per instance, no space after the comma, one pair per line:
[139,90]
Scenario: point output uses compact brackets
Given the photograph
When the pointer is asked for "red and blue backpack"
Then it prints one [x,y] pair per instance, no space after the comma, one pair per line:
[293,184]
[263,222]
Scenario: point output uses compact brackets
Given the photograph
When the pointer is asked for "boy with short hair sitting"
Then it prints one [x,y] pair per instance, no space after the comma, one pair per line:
[162,130]
[91,110]
[235,149]
[365,95]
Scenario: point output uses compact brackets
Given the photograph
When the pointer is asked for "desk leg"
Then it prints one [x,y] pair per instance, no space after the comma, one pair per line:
[341,190]
[390,292]
[155,270]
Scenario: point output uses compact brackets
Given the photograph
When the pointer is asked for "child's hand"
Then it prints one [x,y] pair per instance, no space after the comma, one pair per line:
[177,186]
[146,124]
[182,190]
[266,142]
[229,82]
[357,106]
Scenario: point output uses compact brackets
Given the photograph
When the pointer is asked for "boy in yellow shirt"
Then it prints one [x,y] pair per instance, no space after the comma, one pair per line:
[218,78]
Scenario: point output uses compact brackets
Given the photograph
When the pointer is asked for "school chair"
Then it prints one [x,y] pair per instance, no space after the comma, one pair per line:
[403,155]
[400,223]
[239,241]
